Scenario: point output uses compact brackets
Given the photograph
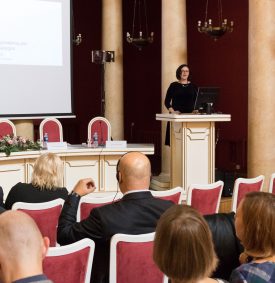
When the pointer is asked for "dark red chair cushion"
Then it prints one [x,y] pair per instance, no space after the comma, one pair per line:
[135,263]
[174,198]
[69,268]
[5,129]
[47,221]
[247,188]
[52,128]
[86,208]
[205,201]
[102,131]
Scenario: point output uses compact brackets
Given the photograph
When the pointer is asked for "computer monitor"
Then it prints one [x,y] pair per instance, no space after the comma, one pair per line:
[206,99]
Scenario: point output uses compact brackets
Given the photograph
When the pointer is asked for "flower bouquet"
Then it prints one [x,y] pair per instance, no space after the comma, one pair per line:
[10,143]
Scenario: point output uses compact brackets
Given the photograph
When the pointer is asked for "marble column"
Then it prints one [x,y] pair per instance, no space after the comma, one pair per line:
[174,53]
[24,128]
[112,41]
[261,89]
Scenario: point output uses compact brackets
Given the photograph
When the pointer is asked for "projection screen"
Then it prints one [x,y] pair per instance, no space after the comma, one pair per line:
[35,58]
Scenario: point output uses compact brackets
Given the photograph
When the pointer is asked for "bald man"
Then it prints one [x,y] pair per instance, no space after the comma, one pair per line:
[22,249]
[136,213]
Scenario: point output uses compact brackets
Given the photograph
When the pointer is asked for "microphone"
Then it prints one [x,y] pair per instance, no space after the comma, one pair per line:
[101,134]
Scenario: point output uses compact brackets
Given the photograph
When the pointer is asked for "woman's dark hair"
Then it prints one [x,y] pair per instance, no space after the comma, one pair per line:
[178,71]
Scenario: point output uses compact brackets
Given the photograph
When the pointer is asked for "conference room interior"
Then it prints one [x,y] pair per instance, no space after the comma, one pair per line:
[222,63]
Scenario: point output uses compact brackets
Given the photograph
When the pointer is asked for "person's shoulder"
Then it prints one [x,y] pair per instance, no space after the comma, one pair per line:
[175,83]
[20,186]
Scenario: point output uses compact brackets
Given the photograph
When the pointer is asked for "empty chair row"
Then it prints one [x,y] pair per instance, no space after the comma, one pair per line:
[54,129]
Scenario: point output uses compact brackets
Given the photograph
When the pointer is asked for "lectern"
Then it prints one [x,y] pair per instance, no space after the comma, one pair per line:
[192,147]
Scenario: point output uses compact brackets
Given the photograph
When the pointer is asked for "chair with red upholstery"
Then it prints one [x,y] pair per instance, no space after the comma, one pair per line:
[88,203]
[53,128]
[173,195]
[271,188]
[7,128]
[71,263]
[103,128]
[131,260]
[45,214]
[205,198]
[242,186]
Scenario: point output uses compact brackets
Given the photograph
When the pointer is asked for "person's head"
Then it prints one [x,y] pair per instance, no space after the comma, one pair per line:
[183,247]
[255,224]
[183,72]
[22,247]
[47,172]
[133,172]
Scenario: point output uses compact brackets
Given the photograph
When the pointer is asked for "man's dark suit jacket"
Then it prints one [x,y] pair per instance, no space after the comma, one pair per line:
[135,213]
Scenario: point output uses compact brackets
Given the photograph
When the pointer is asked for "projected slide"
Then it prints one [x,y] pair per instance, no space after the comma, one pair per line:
[31,32]
[35,58]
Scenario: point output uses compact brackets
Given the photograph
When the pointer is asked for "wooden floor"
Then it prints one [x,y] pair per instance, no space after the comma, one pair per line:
[225,205]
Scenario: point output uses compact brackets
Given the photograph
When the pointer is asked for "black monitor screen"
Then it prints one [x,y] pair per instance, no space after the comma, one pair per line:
[206,97]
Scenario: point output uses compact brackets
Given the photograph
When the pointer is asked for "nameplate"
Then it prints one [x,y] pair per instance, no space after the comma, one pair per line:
[56,145]
[116,144]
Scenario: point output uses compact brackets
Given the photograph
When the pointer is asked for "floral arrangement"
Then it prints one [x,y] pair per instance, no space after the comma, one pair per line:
[10,143]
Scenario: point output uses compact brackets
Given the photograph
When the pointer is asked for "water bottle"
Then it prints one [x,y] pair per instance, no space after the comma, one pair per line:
[95,139]
[45,139]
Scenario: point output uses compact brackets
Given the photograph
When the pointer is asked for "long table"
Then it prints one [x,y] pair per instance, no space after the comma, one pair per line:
[79,162]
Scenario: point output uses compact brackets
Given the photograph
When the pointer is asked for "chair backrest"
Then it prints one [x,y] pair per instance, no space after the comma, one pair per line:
[71,263]
[7,128]
[131,259]
[88,203]
[205,198]
[45,214]
[103,128]
[173,195]
[242,186]
[53,128]
[271,188]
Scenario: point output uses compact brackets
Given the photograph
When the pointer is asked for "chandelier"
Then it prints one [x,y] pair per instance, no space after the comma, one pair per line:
[78,39]
[139,37]
[215,31]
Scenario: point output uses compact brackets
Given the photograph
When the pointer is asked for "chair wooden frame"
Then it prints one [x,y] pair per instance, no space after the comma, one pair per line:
[272,184]
[41,126]
[93,199]
[2,120]
[215,185]
[171,192]
[38,206]
[98,118]
[244,181]
[141,238]
[72,248]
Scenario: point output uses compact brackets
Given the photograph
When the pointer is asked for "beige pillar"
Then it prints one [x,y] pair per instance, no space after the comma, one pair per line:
[174,53]
[112,41]
[24,128]
[261,91]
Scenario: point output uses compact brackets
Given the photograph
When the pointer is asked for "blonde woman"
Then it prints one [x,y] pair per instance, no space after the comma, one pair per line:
[46,184]
[183,247]
[255,227]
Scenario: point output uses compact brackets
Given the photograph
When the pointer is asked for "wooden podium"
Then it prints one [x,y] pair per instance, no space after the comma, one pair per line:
[192,147]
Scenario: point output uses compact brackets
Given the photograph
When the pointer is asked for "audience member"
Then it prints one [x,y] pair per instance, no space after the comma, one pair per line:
[183,247]
[22,249]
[227,245]
[45,185]
[136,213]
[255,227]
